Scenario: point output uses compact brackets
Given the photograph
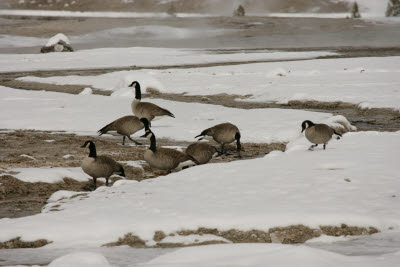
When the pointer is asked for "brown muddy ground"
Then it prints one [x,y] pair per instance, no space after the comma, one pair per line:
[19,199]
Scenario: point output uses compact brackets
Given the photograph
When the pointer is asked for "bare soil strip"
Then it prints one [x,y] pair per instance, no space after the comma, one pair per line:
[18,199]
[293,234]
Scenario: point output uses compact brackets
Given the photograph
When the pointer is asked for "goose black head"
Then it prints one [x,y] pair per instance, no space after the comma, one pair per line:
[148,134]
[92,148]
[306,124]
[146,123]
[138,92]
[91,144]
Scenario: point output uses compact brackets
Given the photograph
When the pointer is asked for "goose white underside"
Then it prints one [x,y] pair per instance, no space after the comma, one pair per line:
[184,164]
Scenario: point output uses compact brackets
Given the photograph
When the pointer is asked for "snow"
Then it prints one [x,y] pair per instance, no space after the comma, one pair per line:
[367,82]
[281,189]
[61,194]
[136,56]
[254,255]
[81,259]
[27,156]
[56,38]
[86,91]
[49,174]
[95,14]
[86,114]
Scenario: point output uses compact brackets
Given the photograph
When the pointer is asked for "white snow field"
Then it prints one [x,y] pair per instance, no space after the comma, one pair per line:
[49,174]
[86,114]
[367,82]
[255,255]
[136,56]
[355,181]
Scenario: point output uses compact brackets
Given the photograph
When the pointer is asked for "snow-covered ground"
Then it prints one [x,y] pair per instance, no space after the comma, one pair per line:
[136,56]
[367,82]
[86,114]
[355,181]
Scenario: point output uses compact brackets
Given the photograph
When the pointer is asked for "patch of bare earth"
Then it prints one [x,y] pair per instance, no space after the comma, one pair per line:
[18,243]
[286,235]
[33,149]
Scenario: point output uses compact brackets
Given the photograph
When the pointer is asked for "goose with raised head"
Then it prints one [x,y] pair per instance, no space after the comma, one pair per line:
[202,152]
[318,133]
[146,109]
[125,126]
[162,158]
[223,134]
[100,166]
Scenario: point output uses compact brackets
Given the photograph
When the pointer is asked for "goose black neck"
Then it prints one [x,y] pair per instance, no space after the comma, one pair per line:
[138,92]
[92,149]
[153,143]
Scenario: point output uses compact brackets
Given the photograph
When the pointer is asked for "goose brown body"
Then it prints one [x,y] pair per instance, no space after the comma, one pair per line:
[125,126]
[319,134]
[145,109]
[202,152]
[223,133]
[148,110]
[100,166]
[165,158]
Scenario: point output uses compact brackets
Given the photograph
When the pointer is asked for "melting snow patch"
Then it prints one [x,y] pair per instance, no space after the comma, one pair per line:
[56,196]
[86,91]
[27,156]
[56,38]
[49,174]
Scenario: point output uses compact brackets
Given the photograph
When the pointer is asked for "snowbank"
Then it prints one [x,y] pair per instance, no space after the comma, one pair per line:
[86,114]
[367,82]
[355,181]
[254,255]
[81,259]
[136,56]
[49,174]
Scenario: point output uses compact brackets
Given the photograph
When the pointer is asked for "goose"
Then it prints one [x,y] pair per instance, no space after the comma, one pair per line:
[202,152]
[223,133]
[318,133]
[164,158]
[100,166]
[145,109]
[125,126]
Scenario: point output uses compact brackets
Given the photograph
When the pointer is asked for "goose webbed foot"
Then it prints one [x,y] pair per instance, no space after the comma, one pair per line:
[312,147]
[136,142]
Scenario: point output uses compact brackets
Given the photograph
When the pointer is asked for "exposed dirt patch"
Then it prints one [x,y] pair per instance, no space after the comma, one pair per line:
[25,149]
[18,243]
[294,234]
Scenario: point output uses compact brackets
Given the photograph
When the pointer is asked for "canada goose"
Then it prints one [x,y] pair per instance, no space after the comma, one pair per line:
[145,109]
[100,166]
[318,133]
[163,158]
[223,133]
[125,126]
[202,152]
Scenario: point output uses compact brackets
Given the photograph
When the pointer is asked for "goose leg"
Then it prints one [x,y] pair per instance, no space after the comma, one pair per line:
[324,146]
[106,181]
[136,142]
[123,140]
[222,149]
[94,183]
[312,147]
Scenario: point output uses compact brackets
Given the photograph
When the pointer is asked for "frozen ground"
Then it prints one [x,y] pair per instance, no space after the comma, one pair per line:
[343,184]
[86,114]
[372,82]
[136,56]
